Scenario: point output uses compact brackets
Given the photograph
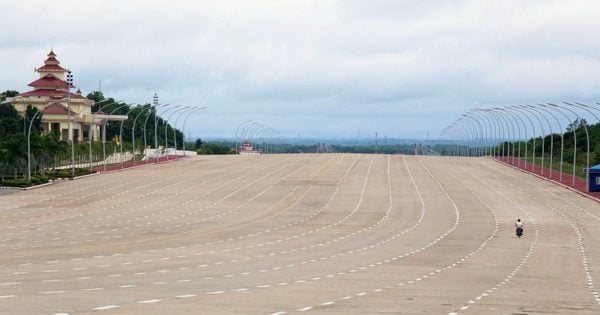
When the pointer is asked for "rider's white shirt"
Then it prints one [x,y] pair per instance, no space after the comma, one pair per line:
[519,224]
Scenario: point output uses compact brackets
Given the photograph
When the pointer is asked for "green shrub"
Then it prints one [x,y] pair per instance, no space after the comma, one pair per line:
[19,182]
[67,173]
[23,182]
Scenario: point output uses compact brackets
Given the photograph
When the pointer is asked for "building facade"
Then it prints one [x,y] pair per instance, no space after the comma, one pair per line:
[52,96]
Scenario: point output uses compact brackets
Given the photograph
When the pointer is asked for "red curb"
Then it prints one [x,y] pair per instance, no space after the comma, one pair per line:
[548,179]
[162,160]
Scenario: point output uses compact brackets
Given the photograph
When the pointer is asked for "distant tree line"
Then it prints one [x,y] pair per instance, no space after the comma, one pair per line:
[510,148]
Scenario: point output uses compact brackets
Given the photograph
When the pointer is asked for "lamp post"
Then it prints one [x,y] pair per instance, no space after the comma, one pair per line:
[463,141]
[236,133]
[533,112]
[175,125]
[516,109]
[154,107]
[104,135]
[166,123]
[272,133]
[167,129]
[70,133]
[131,108]
[447,149]
[479,127]
[472,131]
[525,113]
[90,131]
[551,139]
[587,109]
[457,145]
[518,138]
[155,103]
[250,123]
[510,124]
[500,130]
[470,137]
[185,120]
[260,138]
[29,147]
[494,134]
[587,135]
[156,130]
[475,114]
[133,132]
[557,108]
[29,139]
[518,119]
[252,133]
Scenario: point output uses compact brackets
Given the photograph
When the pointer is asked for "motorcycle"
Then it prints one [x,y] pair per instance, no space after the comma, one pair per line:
[519,232]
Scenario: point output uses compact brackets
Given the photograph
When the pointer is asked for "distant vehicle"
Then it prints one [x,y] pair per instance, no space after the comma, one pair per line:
[519,226]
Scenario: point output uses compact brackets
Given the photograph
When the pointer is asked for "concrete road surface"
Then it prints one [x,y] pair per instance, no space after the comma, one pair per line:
[293,234]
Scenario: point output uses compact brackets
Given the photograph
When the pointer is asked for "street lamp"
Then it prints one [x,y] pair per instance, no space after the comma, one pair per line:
[236,133]
[29,140]
[165,123]
[587,109]
[154,107]
[520,111]
[470,136]
[155,104]
[104,134]
[518,119]
[69,128]
[552,139]
[92,123]
[167,129]
[29,147]
[244,130]
[587,135]
[478,127]
[175,126]
[133,131]
[494,134]
[500,130]
[131,108]
[533,112]
[508,123]
[185,120]
[525,112]
[556,108]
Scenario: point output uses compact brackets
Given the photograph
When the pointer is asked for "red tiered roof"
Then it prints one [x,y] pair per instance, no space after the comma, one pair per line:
[50,85]
[56,109]
[49,81]
[51,61]
[50,68]
[58,94]
[51,64]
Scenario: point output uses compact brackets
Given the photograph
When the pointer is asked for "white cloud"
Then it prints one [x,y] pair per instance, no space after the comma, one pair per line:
[314,67]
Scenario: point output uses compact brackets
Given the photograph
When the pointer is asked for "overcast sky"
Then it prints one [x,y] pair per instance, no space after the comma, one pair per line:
[315,68]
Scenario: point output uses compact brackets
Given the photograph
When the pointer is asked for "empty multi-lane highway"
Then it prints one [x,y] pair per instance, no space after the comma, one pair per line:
[283,234]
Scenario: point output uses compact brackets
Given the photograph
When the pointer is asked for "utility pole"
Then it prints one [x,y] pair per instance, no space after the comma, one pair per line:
[155,103]
[70,130]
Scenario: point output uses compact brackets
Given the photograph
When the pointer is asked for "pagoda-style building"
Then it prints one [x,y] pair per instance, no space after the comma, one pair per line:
[51,95]
[246,148]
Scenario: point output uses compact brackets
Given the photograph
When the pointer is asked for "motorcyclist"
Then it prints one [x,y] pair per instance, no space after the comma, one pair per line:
[519,226]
